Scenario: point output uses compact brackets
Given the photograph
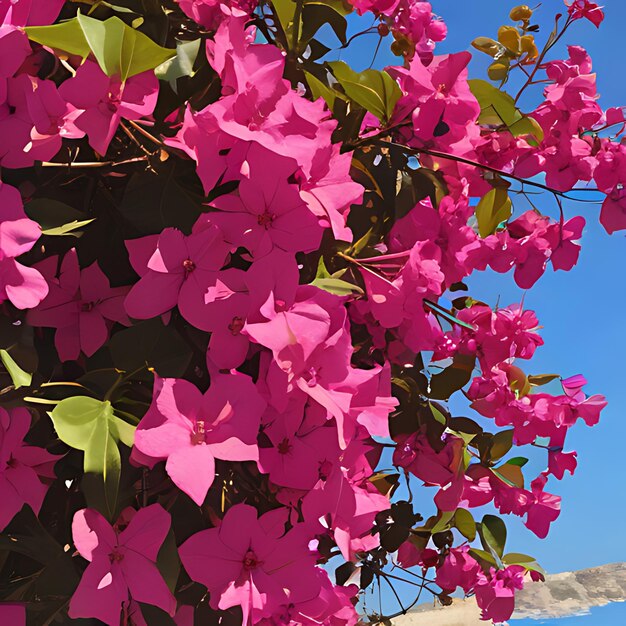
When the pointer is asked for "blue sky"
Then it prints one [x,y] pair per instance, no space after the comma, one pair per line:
[581,311]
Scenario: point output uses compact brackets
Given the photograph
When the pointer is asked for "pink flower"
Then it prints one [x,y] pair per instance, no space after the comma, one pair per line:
[196,429]
[81,305]
[444,109]
[105,101]
[122,563]
[458,569]
[345,507]
[579,9]
[233,298]
[210,13]
[442,467]
[14,614]
[24,286]
[495,594]
[267,212]
[21,466]
[175,270]
[30,12]
[252,563]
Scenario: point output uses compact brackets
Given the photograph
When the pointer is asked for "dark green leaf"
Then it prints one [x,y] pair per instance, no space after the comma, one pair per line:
[520,461]
[56,218]
[150,344]
[317,14]
[493,534]
[453,378]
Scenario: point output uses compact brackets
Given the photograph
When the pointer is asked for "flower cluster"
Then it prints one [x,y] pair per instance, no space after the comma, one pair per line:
[249,288]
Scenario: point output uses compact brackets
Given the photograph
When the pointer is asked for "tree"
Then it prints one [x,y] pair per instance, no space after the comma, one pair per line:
[233,277]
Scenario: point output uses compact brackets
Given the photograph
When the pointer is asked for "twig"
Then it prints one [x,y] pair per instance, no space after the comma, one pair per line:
[93,164]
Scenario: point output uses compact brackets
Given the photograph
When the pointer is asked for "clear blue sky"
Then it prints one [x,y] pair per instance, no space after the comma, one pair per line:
[582,311]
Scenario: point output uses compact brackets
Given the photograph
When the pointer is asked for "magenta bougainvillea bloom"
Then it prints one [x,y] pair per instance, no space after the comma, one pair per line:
[14,614]
[81,305]
[210,13]
[308,237]
[196,429]
[175,270]
[268,212]
[252,563]
[30,12]
[579,9]
[23,286]
[104,101]
[495,594]
[21,466]
[122,563]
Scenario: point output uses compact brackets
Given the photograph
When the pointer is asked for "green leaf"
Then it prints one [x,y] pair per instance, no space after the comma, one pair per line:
[453,378]
[321,90]
[520,461]
[317,14]
[464,521]
[152,345]
[542,379]
[482,555]
[529,562]
[439,310]
[516,558]
[56,218]
[374,90]
[493,534]
[337,286]
[510,474]
[91,425]
[498,108]
[19,377]
[119,49]
[102,458]
[181,64]
[285,11]
[501,444]
[160,198]
[443,523]
[438,415]
[494,208]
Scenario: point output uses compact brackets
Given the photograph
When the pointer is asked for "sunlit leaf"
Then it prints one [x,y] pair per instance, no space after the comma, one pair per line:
[119,49]
[19,377]
[91,425]
[374,90]
[493,208]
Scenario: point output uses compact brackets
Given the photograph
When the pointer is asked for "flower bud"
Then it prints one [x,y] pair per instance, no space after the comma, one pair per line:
[383,29]
[521,13]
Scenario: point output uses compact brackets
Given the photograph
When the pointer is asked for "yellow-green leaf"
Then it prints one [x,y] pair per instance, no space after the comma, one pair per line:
[118,48]
[19,377]
[494,208]
[464,521]
[374,90]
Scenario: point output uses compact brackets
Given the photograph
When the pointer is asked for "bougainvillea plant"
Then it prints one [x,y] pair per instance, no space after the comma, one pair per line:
[233,278]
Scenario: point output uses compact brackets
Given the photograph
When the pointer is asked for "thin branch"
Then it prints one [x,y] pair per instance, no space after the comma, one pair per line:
[93,164]
[487,168]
